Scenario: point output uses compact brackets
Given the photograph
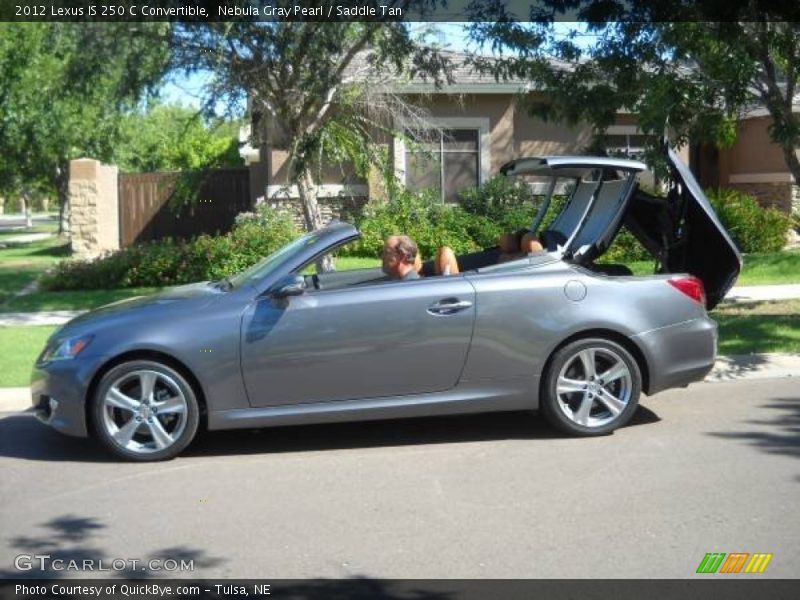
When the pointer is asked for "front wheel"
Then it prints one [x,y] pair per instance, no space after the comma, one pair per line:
[144,411]
[591,387]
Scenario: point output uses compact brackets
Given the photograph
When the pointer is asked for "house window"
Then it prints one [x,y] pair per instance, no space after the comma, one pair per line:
[448,163]
[625,144]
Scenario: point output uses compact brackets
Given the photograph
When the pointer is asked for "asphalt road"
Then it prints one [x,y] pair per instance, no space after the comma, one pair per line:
[715,468]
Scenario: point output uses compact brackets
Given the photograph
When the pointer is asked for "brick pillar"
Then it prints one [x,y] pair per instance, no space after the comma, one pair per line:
[94,208]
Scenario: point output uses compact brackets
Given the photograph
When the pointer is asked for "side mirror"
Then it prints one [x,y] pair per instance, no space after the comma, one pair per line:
[291,285]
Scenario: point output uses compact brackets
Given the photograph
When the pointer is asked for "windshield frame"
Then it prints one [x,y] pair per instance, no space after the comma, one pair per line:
[272,263]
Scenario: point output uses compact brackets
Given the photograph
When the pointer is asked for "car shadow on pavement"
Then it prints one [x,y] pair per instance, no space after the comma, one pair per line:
[783,436]
[399,432]
[69,546]
[22,436]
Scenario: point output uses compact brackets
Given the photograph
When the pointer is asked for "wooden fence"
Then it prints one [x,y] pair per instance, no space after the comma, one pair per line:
[149,208]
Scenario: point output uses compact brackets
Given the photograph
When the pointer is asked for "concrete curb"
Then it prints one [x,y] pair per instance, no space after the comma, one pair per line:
[727,368]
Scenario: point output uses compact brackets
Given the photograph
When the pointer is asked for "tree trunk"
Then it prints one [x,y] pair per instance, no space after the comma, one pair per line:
[62,188]
[311,213]
[28,213]
[793,162]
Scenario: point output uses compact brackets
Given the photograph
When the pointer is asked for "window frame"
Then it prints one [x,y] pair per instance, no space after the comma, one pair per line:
[481,124]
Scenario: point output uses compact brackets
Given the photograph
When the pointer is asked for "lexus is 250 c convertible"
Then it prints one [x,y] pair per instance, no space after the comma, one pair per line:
[555,330]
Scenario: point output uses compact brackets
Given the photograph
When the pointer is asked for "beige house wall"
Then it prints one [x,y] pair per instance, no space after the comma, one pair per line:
[753,151]
[755,165]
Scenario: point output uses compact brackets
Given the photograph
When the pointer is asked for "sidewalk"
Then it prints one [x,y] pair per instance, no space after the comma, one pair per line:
[45,317]
[26,238]
[760,293]
[728,368]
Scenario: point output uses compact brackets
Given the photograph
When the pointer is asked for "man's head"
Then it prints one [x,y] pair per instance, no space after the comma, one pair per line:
[399,252]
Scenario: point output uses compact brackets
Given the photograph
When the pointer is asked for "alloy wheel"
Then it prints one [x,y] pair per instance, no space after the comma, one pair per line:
[594,387]
[144,411]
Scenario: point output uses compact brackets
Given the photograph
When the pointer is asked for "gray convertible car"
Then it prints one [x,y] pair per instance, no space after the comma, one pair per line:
[555,330]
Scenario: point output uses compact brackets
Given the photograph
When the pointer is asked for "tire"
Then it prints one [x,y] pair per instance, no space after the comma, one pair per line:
[141,425]
[591,387]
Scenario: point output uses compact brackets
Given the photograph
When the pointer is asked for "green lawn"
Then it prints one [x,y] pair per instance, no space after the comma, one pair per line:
[772,268]
[20,347]
[759,269]
[758,327]
[348,263]
[22,264]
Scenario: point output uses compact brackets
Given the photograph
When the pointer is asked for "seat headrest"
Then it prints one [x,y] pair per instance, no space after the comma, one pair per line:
[530,243]
[508,243]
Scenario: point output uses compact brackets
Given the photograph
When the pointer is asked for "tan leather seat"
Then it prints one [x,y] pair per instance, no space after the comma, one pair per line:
[445,262]
[530,243]
[509,247]
[516,245]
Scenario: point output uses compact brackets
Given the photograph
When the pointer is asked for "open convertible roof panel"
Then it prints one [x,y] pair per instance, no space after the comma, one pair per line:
[681,231]
[568,166]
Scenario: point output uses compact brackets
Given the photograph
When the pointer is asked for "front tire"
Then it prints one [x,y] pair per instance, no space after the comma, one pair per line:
[144,411]
[591,387]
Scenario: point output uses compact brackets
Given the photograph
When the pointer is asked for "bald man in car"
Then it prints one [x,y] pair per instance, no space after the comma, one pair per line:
[399,254]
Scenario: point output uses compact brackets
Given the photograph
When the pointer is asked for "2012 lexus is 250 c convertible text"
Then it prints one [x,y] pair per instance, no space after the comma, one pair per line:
[554,330]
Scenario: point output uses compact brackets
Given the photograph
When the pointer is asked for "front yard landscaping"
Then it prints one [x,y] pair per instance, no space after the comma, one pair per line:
[20,347]
[757,327]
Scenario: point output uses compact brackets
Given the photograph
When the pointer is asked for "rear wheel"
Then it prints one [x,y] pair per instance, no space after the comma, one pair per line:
[591,387]
[145,411]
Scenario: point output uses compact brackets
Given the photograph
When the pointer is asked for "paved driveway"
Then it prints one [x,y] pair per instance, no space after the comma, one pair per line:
[715,468]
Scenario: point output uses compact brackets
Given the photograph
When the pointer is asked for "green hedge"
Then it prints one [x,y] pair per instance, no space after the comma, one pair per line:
[753,228]
[482,214]
[174,262]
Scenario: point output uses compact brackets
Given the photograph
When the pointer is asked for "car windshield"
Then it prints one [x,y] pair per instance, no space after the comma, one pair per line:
[268,265]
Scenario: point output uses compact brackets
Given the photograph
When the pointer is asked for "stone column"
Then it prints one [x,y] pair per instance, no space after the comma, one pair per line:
[94,208]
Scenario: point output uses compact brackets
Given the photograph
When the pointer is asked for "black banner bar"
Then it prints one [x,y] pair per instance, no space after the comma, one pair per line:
[713,588]
[397,10]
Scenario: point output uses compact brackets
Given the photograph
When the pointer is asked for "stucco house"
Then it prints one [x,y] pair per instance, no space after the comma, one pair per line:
[484,126]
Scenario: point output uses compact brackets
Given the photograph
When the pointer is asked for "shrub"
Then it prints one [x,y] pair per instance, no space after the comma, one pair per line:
[424,218]
[173,262]
[509,203]
[753,228]
[626,248]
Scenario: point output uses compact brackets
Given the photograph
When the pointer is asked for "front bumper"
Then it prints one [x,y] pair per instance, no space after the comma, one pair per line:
[679,354]
[58,394]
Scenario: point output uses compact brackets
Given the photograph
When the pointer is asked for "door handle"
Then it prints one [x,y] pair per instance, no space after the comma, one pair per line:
[448,306]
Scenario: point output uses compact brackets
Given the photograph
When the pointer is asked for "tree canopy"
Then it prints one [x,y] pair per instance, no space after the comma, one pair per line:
[173,137]
[693,75]
[309,83]
[63,87]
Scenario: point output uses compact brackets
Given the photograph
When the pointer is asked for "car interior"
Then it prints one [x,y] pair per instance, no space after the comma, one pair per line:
[581,232]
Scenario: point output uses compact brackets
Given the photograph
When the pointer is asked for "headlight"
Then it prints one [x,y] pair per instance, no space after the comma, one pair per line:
[65,348]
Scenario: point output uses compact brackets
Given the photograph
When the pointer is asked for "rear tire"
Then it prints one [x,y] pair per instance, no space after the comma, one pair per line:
[144,411]
[591,387]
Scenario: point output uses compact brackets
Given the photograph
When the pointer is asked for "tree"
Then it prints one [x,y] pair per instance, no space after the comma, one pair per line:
[172,137]
[63,87]
[317,82]
[690,69]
